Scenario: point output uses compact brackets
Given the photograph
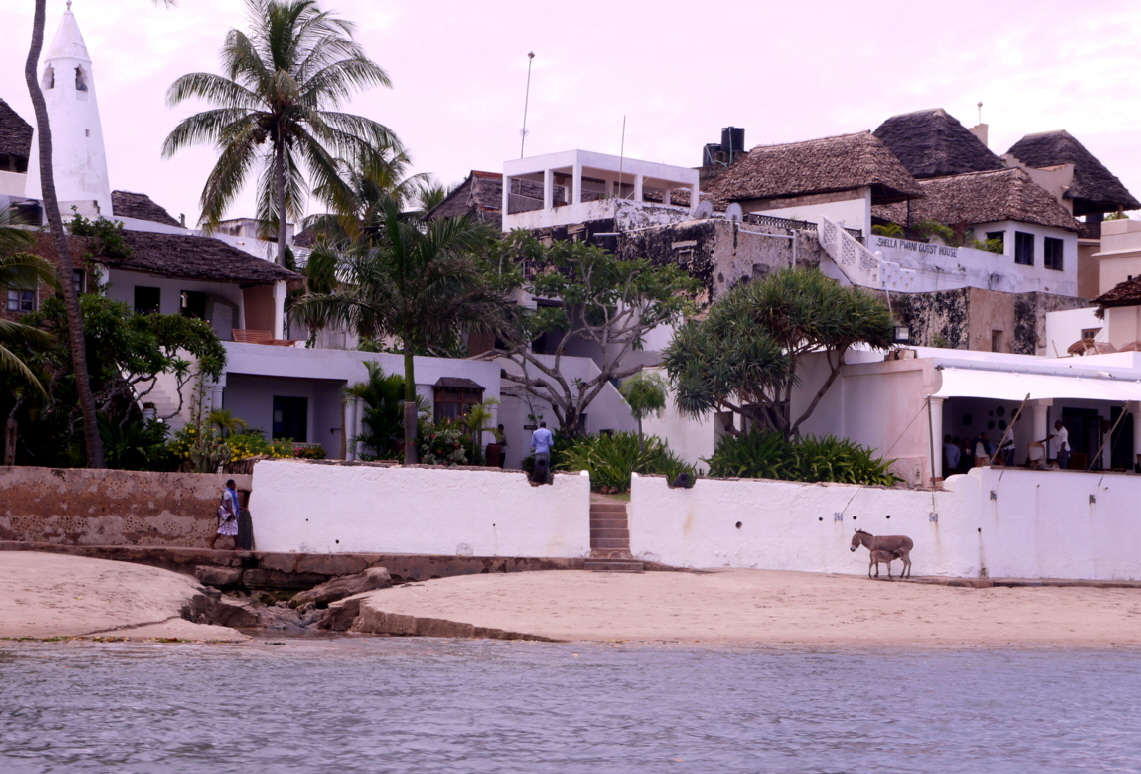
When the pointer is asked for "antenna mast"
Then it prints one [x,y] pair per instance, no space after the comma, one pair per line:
[526,103]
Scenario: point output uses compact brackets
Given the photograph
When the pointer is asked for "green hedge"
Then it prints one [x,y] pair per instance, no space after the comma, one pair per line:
[610,459]
[809,459]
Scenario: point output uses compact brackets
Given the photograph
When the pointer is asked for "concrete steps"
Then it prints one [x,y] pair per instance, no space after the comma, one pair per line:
[610,539]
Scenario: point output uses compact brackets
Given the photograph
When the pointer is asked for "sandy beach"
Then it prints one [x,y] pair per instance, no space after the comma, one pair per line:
[769,607]
[54,595]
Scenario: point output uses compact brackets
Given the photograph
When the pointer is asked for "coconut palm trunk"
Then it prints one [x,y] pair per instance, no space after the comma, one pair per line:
[279,179]
[92,440]
[411,415]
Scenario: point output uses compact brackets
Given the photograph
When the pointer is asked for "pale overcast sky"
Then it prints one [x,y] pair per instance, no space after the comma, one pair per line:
[679,71]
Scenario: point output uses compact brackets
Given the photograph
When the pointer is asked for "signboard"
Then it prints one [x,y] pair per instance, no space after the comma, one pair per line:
[921,248]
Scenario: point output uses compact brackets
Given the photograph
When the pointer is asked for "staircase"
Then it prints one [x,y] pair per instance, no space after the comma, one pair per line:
[610,538]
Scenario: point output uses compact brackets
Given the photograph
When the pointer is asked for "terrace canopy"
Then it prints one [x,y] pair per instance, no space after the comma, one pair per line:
[1005,385]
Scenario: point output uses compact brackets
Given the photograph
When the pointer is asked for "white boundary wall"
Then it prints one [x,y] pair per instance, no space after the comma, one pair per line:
[1042,524]
[361,507]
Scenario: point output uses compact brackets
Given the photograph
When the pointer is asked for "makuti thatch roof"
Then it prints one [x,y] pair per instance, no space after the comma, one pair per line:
[126,204]
[818,166]
[480,195]
[1095,188]
[1127,293]
[982,197]
[931,143]
[15,133]
[195,257]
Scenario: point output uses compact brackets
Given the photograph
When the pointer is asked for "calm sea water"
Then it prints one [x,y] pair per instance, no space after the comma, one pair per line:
[392,705]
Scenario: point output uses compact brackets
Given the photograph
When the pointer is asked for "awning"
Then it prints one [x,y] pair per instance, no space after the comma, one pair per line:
[1004,385]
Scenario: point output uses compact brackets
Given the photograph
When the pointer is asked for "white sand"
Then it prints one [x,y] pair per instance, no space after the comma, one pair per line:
[765,606]
[55,595]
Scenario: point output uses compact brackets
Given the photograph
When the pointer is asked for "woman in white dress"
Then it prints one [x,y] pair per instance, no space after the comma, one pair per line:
[228,513]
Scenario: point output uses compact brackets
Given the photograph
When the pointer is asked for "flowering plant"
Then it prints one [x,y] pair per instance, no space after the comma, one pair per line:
[441,444]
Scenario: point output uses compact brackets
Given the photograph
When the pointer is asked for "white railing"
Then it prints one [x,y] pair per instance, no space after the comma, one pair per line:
[859,265]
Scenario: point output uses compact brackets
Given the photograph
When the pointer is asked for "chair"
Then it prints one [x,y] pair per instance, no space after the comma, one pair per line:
[252,337]
[1036,454]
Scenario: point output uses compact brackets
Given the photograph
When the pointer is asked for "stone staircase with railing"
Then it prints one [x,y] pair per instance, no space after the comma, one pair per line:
[610,538]
[860,265]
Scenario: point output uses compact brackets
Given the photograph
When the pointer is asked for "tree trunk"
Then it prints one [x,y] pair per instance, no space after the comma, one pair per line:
[91,437]
[279,180]
[410,413]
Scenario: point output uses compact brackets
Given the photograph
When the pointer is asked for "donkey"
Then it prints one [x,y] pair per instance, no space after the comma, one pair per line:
[896,547]
[877,555]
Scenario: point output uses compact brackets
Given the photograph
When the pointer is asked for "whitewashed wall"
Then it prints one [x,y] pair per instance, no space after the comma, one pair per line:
[319,507]
[1040,525]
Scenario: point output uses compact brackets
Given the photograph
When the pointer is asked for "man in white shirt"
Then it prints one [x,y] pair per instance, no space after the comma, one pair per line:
[1063,436]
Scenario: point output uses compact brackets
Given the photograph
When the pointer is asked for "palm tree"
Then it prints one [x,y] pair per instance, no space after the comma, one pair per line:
[20,269]
[91,437]
[276,108]
[419,283]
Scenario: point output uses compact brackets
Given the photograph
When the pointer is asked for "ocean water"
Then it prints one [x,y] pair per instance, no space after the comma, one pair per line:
[433,706]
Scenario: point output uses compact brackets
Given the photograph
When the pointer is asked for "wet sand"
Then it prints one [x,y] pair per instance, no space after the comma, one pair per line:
[54,595]
[768,607]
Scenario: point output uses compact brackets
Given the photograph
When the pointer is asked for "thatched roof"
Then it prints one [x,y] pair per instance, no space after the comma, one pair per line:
[141,207]
[481,196]
[1127,293]
[15,133]
[982,197]
[824,165]
[1095,188]
[931,143]
[195,257]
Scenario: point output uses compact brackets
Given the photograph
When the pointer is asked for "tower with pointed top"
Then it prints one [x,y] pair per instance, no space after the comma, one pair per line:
[79,158]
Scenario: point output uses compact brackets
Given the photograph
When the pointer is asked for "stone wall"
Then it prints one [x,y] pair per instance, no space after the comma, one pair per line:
[110,507]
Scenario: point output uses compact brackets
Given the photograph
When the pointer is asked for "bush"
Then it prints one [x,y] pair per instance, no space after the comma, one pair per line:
[611,459]
[809,459]
[441,444]
[309,452]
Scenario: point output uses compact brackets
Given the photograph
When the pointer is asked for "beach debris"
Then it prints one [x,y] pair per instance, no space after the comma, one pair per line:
[346,586]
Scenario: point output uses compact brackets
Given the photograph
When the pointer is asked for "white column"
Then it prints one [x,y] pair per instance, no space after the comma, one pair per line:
[358,425]
[694,197]
[638,188]
[666,197]
[1041,429]
[279,309]
[935,406]
[548,189]
[347,427]
[576,184]
[505,200]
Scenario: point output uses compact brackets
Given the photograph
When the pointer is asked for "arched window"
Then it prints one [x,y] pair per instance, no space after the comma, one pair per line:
[49,78]
[80,79]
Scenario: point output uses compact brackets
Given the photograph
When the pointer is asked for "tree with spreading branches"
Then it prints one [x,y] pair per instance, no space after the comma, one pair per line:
[277,109]
[588,301]
[744,356]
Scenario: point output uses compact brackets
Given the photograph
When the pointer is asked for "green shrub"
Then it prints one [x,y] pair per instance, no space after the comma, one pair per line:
[809,459]
[610,459]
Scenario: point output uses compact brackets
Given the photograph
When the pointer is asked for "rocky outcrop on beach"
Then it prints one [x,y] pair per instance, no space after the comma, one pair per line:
[320,596]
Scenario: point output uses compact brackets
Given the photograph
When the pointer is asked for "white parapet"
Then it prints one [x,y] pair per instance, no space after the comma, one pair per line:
[316,507]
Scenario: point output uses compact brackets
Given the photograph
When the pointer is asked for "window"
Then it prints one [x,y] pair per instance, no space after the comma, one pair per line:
[79,280]
[996,341]
[452,398]
[80,79]
[147,300]
[1088,334]
[49,78]
[1023,248]
[999,236]
[21,300]
[290,417]
[1052,253]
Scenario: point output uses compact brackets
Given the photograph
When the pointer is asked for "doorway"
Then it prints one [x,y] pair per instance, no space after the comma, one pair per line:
[290,418]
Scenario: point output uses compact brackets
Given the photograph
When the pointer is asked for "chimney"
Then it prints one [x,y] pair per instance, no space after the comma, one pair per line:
[982,131]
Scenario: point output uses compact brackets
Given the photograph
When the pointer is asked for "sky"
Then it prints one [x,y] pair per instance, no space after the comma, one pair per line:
[677,71]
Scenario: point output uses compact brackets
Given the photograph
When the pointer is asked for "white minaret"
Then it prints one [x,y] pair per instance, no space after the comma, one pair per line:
[79,159]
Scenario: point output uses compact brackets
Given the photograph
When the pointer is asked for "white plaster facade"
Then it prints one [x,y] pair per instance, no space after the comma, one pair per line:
[78,156]
[322,508]
[597,184]
[989,523]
